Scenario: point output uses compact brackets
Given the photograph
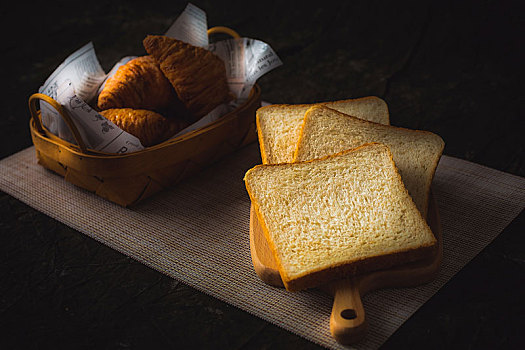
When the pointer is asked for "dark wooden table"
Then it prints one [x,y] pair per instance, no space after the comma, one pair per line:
[451,67]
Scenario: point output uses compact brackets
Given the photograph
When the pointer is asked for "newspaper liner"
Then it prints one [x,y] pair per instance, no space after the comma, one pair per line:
[80,78]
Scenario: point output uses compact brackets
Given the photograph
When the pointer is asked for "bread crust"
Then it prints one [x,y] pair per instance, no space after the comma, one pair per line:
[358,267]
[260,138]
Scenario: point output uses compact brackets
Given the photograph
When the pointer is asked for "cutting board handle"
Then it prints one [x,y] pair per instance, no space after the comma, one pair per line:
[347,321]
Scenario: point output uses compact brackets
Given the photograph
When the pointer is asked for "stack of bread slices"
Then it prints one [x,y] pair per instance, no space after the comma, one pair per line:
[340,191]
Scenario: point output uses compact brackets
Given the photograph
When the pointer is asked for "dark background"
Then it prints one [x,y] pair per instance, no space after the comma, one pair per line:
[450,67]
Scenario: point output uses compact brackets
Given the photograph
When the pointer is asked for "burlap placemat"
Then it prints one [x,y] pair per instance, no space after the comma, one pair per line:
[198,233]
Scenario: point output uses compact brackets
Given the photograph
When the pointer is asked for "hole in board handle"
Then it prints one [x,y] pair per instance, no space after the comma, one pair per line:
[348,314]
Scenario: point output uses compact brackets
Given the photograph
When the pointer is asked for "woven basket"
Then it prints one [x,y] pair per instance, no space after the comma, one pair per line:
[127,179]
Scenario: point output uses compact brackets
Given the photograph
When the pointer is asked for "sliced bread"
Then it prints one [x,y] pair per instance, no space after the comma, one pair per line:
[416,153]
[335,217]
[278,125]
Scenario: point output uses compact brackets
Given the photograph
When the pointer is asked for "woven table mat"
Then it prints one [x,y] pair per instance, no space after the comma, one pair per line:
[198,233]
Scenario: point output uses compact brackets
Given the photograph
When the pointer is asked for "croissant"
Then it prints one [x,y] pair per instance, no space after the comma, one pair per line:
[197,75]
[149,127]
[138,84]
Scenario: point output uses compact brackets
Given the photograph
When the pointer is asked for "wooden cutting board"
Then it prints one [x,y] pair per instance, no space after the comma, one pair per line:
[348,321]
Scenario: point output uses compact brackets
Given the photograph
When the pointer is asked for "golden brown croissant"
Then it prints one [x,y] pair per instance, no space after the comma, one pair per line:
[197,75]
[138,84]
[149,127]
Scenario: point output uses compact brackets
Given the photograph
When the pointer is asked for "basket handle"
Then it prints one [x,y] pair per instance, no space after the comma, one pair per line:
[33,99]
[223,30]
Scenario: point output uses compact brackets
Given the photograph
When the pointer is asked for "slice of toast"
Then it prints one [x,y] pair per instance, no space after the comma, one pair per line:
[335,217]
[278,125]
[416,153]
